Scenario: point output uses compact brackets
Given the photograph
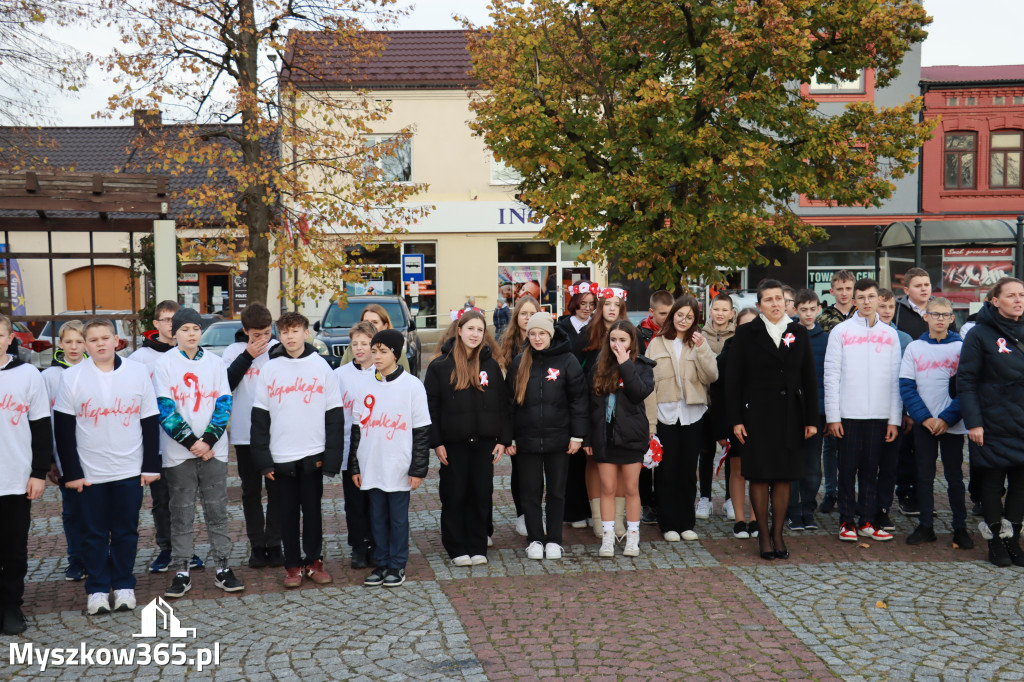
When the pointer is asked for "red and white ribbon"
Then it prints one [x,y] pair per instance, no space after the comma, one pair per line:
[788,339]
[483,378]
[1002,346]
[584,288]
[552,374]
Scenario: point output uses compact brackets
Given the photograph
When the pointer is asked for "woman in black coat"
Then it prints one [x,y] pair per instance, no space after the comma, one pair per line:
[470,429]
[619,431]
[990,385]
[549,405]
[772,400]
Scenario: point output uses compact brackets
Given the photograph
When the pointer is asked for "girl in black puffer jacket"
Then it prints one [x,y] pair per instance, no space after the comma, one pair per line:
[549,403]
[619,430]
[470,428]
[990,385]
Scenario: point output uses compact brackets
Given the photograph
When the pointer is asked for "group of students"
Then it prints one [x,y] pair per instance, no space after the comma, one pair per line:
[577,403]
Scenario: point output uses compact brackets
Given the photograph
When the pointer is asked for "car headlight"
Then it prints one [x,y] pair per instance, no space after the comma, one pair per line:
[321,347]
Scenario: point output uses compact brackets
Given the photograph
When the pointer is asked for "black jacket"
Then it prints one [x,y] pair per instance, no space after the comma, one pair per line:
[630,429]
[470,413]
[990,385]
[420,444]
[334,439]
[565,322]
[907,320]
[556,404]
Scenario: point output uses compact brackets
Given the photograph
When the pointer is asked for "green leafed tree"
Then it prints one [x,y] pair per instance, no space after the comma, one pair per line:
[672,133]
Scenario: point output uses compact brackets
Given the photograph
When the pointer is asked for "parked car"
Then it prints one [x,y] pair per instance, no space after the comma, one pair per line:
[28,346]
[333,328]
[220,335]
[125,335]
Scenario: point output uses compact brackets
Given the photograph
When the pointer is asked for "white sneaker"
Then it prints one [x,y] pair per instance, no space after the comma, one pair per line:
[552,551]
[478,559]
[535,550]
[672,536]
[579,524]
[99,602]
[729,512]
[490,541]
[521,526]
[688,535]
[632,543]
[607,544]
[124,600]
[704,508]
[462,560]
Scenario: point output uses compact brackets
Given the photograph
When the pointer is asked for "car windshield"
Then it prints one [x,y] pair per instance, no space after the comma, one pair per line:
[219,334]
[338,318]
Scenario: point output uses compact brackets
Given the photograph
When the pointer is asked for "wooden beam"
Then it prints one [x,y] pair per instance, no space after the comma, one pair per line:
[82,255]
[31,182]
[97,184]
[30,224]
[89,204]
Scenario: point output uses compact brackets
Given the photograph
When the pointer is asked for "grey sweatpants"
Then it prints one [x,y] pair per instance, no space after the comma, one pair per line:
[209,480]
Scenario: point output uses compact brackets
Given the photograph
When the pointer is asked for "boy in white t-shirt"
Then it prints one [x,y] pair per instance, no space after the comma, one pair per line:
[296,438]
[391,441]
[245,359]
[24,460]
[107,427]
[354,378]
[195,404]
[928,364]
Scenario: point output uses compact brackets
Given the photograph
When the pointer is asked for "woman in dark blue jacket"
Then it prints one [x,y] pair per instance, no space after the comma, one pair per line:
[549,405]
[990,385]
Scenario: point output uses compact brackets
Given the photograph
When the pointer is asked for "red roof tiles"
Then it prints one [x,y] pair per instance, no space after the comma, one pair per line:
[972,74]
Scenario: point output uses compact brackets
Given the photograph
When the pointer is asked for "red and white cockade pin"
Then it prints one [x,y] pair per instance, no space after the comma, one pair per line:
[483,378]
[1002,346]
[552,374]
[788,339]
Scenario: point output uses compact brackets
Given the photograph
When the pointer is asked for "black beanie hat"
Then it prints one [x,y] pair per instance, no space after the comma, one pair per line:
[391,339]
[184,316]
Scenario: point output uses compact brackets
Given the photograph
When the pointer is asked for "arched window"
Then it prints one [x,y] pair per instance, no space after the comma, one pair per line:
[1004,159]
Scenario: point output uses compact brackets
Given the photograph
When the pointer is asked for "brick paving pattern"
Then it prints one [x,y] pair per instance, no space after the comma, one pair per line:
[709,609]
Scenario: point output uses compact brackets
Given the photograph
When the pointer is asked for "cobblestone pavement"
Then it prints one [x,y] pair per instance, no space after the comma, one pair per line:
[710,609]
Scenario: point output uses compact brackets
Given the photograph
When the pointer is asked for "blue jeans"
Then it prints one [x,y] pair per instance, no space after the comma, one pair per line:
[804,491]
[74,530]
[110,516]
[830,465]
[926,448]
[389,524]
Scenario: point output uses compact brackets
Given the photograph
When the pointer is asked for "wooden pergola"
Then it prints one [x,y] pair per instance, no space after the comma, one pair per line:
[58,202]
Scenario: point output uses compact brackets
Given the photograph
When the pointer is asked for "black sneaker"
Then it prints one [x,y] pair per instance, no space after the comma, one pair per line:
[909,507]
[921,534]
[161,562]
[181,584]
[828,504]
[883,521]
[258,558]
[976,510]
[648,516]
[394,577]
[376,577]
[752,529]
[795,523]
[195,562]
[226,580]
[75,571]
[275,557]
[810,523]
[961,539]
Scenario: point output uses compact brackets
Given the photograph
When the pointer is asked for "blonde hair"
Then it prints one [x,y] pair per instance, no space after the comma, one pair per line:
[71,326]
[938,302]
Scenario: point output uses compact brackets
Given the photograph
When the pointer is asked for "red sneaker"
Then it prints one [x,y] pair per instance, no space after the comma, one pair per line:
[847,532]
[868,530]
[315,572]
[293,577]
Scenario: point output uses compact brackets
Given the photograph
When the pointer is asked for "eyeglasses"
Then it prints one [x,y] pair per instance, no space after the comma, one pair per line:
[941,316]
[588,304]
[166,320]
[685,318]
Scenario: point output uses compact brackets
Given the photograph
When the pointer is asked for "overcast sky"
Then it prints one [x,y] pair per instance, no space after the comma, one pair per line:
[975,32]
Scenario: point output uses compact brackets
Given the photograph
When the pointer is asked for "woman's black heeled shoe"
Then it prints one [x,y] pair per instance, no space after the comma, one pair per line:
[780,553]
[767,555]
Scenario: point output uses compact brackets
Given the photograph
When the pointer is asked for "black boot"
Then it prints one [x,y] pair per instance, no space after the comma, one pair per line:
[275,557]
[997,555]
[14,621]
[1013,549]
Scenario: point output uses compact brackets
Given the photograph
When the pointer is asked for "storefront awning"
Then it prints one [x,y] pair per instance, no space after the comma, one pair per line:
[950,233]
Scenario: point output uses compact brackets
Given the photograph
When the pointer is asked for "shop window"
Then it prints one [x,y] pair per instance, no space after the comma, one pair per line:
[393,160]
[382,276]
[960,160]
[538,269]
[503,174]
[1004,159]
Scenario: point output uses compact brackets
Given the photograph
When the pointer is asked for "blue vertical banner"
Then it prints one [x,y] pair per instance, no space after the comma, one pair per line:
[12,277]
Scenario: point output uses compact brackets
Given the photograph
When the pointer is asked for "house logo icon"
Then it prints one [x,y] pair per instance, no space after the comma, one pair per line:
[158,615]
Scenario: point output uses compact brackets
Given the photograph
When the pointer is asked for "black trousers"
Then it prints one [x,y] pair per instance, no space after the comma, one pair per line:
[859,452]
[514,488]
[888,470]
[992,502]
[577,500]
[646,484]
[161,513]
[534,469]
[263,530]
[300,497]
[675,478]
[15,514]
[357,513]
[465,489]
[706,462]
[906,470]
[950,446]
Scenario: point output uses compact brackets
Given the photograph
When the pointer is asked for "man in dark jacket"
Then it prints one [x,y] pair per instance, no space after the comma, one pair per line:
[803,491]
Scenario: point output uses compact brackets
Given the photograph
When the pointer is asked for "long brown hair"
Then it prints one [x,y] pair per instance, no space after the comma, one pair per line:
[381,313]
[523,374]
[669,330]
[597,327]
[606,377]
[467,360]
[513,339]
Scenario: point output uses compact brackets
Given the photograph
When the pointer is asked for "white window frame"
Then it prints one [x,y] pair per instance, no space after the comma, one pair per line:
[503,174]
[840,87]
[375,139]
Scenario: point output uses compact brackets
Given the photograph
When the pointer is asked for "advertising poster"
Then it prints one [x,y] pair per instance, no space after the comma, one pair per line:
[15,283]
[370,288]
[523,280]
[975,268]
[819,279]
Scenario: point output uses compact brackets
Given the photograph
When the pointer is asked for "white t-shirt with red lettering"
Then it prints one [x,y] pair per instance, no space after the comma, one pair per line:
[194,386]
[245,391]
[387,414]
[297,392]
[353,383]
[22,399]
[109,408]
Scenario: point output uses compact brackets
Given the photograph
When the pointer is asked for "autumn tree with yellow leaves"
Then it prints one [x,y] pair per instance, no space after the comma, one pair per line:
[672,135]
